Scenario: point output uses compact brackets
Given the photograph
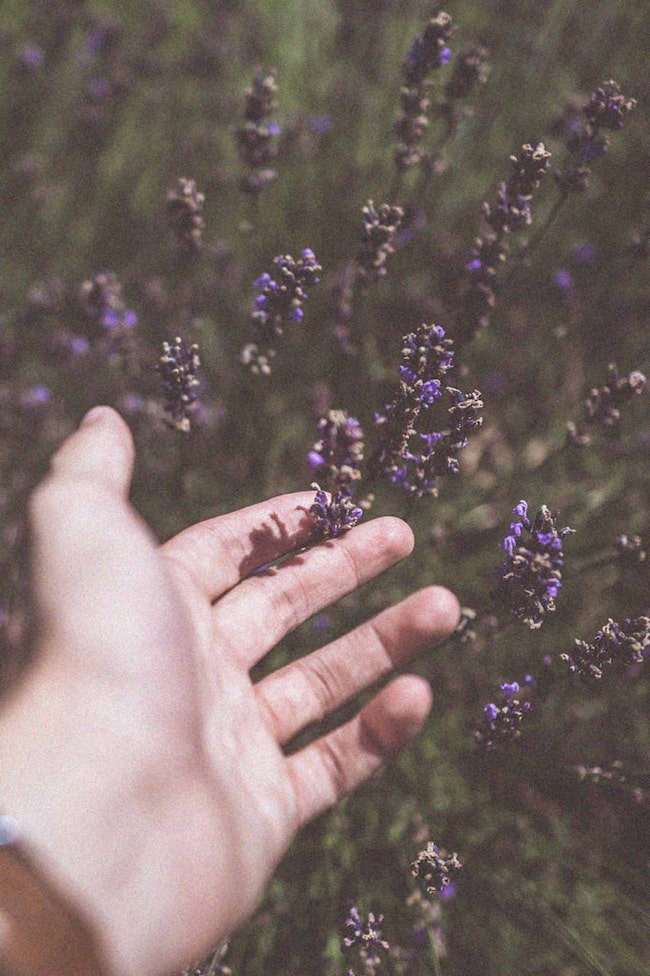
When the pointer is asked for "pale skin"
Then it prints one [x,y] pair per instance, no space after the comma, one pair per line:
[145,768]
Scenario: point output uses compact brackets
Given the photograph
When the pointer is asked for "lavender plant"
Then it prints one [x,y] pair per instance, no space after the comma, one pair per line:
[560,758]
[279,303]
[257,136]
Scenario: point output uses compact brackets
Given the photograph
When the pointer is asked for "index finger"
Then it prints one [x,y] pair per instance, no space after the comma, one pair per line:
[219,552]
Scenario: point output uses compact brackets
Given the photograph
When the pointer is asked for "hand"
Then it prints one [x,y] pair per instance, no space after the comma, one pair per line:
[145,768]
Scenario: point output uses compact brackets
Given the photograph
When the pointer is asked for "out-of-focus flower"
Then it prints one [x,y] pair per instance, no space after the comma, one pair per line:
[428,52]
[604,403]
[366,936]
[614,649]
[185,210]
[257,137]
[607,109]
[380,226]
[31,57]
[435,869]
[102,298]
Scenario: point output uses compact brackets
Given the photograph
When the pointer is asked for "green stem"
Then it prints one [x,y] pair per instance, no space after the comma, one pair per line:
[435,958]
[555,211]
[215,958]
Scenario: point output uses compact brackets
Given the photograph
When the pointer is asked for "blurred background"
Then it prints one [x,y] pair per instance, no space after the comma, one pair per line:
[105,106]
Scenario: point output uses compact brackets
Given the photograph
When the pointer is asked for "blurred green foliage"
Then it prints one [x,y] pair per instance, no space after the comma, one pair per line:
[556,881]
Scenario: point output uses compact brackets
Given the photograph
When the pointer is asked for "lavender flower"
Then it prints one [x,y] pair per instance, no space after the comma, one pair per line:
[510,213]
[470,68]
[426,358]
[411,459]
[512,210]
[335,515]
[256,138]
[531,577]
[428,52]
[631,549]
[102,298]
[366,936]
[607,109]
[278,304]
[615,649]
[380,227]
[616,775]
[435,869]
[178,367]
[337,454]
[185,209]
[416,461]
[604,403]
[502,723]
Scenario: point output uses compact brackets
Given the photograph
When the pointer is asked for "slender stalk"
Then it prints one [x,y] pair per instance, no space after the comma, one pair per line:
[215,958]
[550,220]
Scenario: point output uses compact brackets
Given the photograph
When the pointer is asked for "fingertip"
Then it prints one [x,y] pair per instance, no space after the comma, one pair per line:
[396,535]
[396,715]
[447,608]
[101,449]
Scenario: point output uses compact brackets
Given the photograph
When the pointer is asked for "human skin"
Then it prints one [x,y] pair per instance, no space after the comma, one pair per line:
[145,768]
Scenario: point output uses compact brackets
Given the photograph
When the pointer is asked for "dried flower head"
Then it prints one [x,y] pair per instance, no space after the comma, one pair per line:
[531,576]
[380,225]
[631,548]
[428,52]
[257,137]
[435,869]
[604,404]
[511,212]
[366,936]
[338,452]
[178,367]
[185,210]
[607,109]
[614,649]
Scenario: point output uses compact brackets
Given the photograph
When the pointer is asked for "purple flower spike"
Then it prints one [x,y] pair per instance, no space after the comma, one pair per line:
[530,579]
[333,516]
[280,303]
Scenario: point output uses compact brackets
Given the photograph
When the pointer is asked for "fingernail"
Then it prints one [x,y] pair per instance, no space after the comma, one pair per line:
[93,415]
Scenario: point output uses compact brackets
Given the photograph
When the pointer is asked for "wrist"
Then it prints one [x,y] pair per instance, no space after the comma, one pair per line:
[40,930]
[58,840]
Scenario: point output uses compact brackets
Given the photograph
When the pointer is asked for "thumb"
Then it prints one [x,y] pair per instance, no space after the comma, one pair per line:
[101,450]
[81,526]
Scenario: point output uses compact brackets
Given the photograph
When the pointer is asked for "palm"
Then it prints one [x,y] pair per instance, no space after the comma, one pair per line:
[179,743]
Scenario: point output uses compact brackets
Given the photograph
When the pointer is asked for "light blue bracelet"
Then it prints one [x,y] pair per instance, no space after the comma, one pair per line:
[9,830]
